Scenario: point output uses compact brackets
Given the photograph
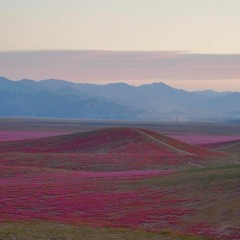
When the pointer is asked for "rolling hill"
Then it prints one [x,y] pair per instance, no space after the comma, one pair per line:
[110,149]
[109,140]
[124,182]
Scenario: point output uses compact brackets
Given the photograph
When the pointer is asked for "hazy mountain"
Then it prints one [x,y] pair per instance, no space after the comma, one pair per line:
[156,101]
[229,105]
[30,98]
[157,97]
[211,93]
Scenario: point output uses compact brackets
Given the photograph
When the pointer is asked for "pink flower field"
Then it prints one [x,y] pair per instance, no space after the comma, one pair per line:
[138,199]
[120,178]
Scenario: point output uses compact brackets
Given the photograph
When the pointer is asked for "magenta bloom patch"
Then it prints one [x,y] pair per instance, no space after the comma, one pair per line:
[131,178]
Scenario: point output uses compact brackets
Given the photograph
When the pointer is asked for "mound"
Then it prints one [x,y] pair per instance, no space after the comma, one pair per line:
[112,140]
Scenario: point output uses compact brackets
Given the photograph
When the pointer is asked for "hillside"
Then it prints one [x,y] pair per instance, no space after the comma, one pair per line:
[117,181]
[110,149]
[109,140]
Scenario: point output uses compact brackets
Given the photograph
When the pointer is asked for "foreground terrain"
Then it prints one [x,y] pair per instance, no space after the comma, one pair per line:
[117,183]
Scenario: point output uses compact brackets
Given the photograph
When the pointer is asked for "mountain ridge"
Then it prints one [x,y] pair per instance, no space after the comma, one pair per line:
[155,101]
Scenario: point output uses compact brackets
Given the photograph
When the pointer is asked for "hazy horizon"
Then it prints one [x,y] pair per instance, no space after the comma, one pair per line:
[190,71]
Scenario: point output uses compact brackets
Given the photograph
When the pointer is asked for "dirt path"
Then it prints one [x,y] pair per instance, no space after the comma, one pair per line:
[165,144]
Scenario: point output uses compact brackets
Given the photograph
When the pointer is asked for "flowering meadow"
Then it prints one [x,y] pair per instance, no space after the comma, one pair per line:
[123,178]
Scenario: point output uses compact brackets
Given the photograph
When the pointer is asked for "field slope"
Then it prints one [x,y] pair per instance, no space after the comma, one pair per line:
[117,183]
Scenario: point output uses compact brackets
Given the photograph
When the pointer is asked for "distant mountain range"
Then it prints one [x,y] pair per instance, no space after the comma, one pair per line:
[156,101]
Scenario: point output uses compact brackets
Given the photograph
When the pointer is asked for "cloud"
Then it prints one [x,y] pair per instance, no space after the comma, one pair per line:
[113,66]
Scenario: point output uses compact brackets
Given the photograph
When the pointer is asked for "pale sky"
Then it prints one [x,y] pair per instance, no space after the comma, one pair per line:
[208,27]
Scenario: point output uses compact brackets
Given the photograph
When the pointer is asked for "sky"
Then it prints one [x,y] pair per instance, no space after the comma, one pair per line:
[200,30]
